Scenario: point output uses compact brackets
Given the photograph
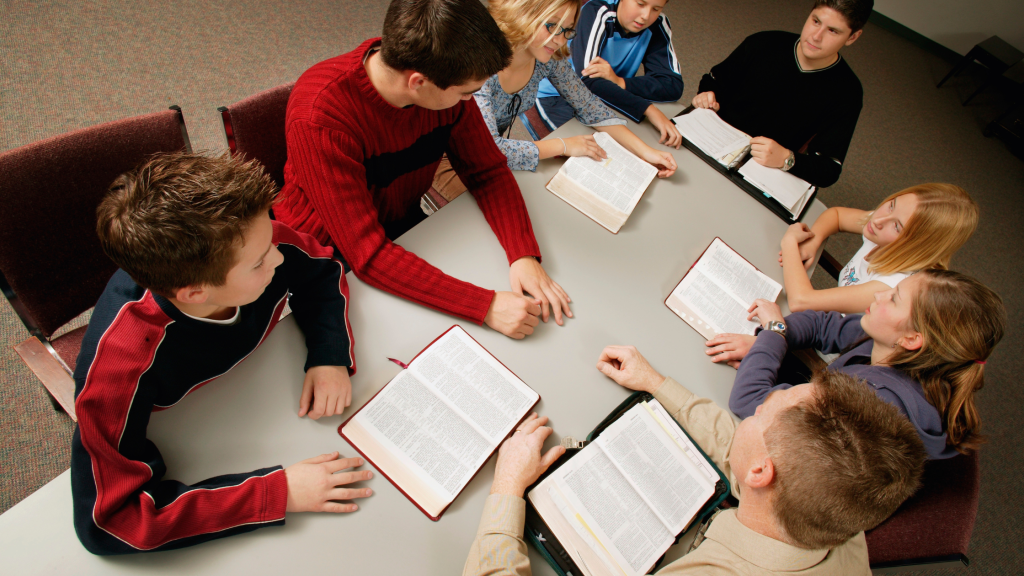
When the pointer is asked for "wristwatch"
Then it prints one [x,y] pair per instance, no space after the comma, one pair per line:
[777,327]
[789,161]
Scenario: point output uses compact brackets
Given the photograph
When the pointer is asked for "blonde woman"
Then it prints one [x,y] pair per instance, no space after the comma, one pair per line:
[538,31]
[914,229]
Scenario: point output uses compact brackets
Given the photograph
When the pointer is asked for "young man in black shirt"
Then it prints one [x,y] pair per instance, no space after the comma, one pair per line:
[794,93]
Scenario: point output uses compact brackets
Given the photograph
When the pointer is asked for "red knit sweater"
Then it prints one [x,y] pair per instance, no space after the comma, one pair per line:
[356,162]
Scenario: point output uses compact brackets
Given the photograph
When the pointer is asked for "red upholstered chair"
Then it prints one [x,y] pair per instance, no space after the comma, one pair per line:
[254,128]
[52,268]
[932,528]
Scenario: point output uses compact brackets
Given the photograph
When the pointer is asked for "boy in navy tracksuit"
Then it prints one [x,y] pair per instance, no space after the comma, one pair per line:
[613,38]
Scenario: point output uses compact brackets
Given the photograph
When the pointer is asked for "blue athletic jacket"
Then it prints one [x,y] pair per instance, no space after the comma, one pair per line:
[598,33]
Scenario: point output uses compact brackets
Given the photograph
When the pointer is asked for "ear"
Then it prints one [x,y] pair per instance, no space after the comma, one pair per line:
[912,341]
[761,473]
[414,80]
[191,295]
[853,37]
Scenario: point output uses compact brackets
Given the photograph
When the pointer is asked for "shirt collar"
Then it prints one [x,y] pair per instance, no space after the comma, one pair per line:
[758,549]
[796,60]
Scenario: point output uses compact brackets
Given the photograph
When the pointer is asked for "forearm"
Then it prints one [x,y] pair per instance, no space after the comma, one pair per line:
[757,374]
[618,97]
[499,549]
[550,148]
[826,225]
[820,171]
[798,285]
[626,138]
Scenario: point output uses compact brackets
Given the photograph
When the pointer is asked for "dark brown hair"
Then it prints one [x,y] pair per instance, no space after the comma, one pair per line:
[856,12]
[844,462]
[451,42]
[176,220]
[961,321]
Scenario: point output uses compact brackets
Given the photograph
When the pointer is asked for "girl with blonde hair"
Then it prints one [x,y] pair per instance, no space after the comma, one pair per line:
[922,346]
[539,31]
[917,228]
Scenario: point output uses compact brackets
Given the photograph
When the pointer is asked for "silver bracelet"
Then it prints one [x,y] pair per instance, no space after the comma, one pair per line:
[563,147]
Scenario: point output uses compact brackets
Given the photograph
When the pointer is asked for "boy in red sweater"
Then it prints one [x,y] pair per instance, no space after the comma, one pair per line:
[366,131]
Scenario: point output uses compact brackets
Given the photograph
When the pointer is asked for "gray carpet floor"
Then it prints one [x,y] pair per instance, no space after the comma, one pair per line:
[69,65]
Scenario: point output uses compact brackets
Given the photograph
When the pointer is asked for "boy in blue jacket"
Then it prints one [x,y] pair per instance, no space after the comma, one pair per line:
[612,39]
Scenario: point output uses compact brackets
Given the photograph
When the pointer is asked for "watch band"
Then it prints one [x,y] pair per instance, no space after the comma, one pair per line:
[789,161]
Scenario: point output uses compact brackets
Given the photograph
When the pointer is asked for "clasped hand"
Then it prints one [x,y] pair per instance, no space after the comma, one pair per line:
[600,68]
[768,152]
[805,240]
[515,314]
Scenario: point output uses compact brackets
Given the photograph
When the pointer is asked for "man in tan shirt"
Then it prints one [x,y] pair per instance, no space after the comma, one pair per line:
[813,468]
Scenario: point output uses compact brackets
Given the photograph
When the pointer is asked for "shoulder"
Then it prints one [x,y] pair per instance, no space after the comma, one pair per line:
[772,38]
[596,10]
[330,84]
[126,326]
[850,82]
[286,238]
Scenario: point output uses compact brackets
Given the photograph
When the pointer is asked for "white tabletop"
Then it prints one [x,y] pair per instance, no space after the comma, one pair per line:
[247,419]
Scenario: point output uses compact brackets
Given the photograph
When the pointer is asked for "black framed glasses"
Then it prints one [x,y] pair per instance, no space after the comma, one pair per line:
[569,33]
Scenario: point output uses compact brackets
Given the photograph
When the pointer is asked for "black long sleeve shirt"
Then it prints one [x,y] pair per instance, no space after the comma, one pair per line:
[762,91]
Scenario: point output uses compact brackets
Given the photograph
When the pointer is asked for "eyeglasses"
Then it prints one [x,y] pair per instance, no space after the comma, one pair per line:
[569,33]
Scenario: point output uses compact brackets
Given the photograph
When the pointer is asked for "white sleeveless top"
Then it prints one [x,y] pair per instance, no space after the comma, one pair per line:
[856,270]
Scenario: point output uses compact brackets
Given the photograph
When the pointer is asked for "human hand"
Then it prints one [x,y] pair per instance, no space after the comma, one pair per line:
[520,462]
[584,146]
[600,68]
[629,369]
[663,161]
[326,391]
[670,136]
[514,315]
[705,100]
[768,152]
[805,240]
[729,348]
[527,275]
[313,485]
[765,312]
[808,249]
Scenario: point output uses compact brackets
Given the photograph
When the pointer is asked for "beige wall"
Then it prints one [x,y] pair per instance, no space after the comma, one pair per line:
[959,24]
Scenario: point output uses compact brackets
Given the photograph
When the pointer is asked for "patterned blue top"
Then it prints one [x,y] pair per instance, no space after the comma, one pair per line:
[494,104]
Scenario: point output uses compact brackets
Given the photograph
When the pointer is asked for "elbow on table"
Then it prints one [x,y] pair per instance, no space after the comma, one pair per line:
[798,302]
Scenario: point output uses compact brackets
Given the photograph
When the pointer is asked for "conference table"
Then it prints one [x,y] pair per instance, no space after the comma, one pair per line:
[247,419]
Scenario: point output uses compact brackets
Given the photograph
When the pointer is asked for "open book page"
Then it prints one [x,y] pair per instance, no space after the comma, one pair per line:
[720,288]
[628,494]
[789,190]
[714,136]
[478,386]
[619,180]
[435,424]
[425,446]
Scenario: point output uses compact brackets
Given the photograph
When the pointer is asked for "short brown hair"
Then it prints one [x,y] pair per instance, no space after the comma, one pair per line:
[175,220]
[946,216]
[843,462]
[451,42]
[856,12]
[961,321]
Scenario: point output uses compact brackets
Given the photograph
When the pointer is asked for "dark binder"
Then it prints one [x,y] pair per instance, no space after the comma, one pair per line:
[730,173]
[543,540]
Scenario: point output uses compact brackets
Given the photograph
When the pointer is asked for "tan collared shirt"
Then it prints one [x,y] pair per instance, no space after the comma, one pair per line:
[729,547]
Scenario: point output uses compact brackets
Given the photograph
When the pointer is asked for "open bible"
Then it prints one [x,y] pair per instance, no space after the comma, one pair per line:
[618,504]
[715,293]
[727,150]
[605,191]
[714,136]
[434,425]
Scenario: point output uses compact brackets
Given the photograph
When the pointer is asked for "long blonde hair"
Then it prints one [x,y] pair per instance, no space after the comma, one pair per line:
[523,20]
[961,321]
[944,219]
